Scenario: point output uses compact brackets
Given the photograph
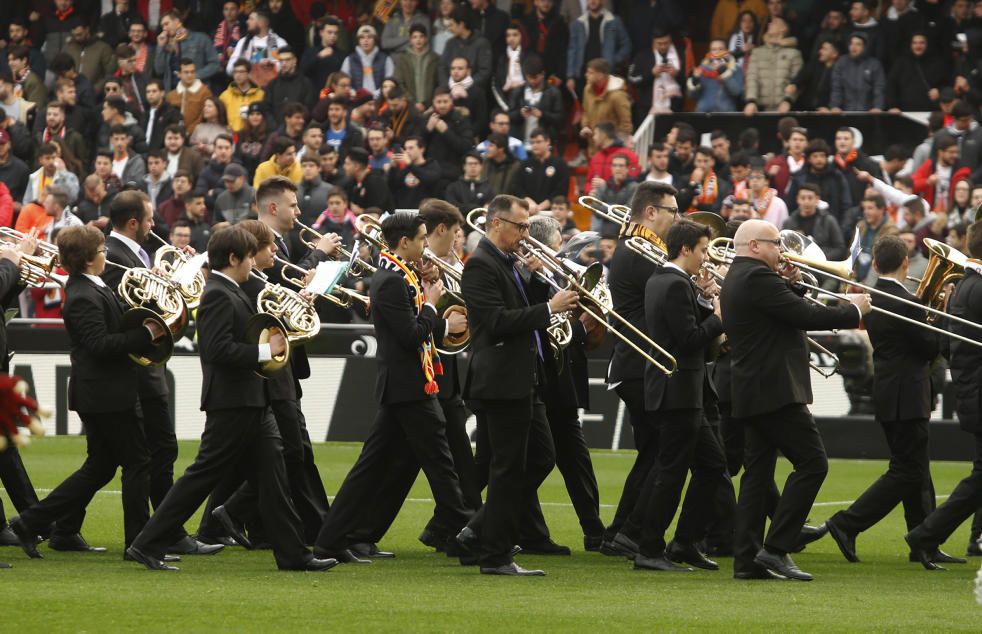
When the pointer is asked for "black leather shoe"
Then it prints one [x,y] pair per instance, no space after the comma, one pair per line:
[661,564]
[759,573]
[845,541]
[190,546]
[974,548]
[468,538]
[592,543]
[808,535]
[224,540]
[623,546]
[73,543]
[167,558]
[512,570]
[782,565]
[939,557]
[547,547]
[152,563]
[370,551]
[7,537]
[921,552]
[26,538]
[431,539]
[347,557]
[315,564]
[234,531]
[688,554]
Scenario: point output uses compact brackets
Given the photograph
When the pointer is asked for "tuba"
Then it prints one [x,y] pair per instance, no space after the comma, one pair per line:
[945,265]
[282,310]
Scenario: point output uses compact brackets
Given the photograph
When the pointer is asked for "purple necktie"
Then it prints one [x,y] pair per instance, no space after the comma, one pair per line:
[521,289]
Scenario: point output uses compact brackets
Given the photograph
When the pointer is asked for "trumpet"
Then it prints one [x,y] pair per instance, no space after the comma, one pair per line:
[171,260]
[285,311]
[339,295]
[371,230]
[35,270]
[357,268]
[152,297]
[450,302]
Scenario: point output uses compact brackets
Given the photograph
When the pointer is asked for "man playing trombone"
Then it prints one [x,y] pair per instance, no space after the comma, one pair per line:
[765,322]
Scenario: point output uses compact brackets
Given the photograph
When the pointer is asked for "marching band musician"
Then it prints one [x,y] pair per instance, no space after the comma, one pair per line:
[504,381]
[682,319]
[653,210]
[240,431]
[102,389]
[410,428]
[765,320]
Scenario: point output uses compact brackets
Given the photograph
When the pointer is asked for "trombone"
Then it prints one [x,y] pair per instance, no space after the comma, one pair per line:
[339,295]
[618,214]
[357,268]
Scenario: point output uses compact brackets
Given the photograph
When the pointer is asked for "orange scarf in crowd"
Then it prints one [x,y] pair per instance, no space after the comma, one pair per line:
[845,161]
[707,194]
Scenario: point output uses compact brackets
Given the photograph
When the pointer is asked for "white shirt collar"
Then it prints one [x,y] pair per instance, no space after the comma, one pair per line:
[220,274]
[95,279]
[897,282]
[129,242]
[673,265]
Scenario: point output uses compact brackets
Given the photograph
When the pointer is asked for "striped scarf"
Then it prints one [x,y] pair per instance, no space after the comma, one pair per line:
[634,229]
[429,358]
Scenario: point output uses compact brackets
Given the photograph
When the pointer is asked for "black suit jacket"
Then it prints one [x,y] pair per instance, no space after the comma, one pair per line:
[627,276]
[504,360]
[152,380]
[765,322]
[282,386]
[400,334]
[560,381]
[10,287]
[306,258]
[164,116]
[902,356]
[676,322]
[965,360]
[103,377]
[228,363]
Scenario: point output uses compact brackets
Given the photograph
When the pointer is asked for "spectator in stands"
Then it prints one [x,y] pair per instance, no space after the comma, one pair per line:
[934,178]
[294,122]
[128,166]
[834,28]
[132,84]
[283,162]
[332,171]
[468,43]
[492,23]
[26,79]
[367,64]
[114,25]
[741,209]
[772,67]
[63,67]
[508,75]
[961,211]
[848,158]
[542,176]
[145,53]
[412,177]
[260,47]
[917,261]
[416,68]
[180,231]
[336,216]
[658,164]
[402,119]
[537,105]
[500,167]
[284,21]
[189,95]
[172,208]
[924,224]
[727,13]
[738,168]
[467,94]
[743,38]
[160,115]
[179,156]
[917,77]
[956,237]
[858,83]
[380,157]
[240,94]
[448,135]
[115,114]
[230,30]
[338,133]
[56,207]
[766,200]
[559,209]
[326,57]
[397,31]
[209,181]
[234,204]
[548,37]
[619,189]
[365,188]
[782,167]
[93,208]
[18,35]
[14,114]
[656,74]
[252,138]
[441,25]
[967,132]
[863,22]
[597,34]
[55,127]
[720,144]
[705,189]
[93,58]
[816,223]
[313,141]
[811,88]
[13,171]
[874,225]
[608,146]
[196,215]
[831,184]
[501,124]
[288,87]
[471,190]
[312,191]
[175,43]
[717,82]
[157,182]
[604,99]
[895,159]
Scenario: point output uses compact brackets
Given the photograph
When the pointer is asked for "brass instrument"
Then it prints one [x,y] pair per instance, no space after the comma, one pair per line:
[154,298]
[371,230]
[618,214]
[715,222]
[171,260]
[339,295]
[647,250]
[450,302]
[282,310]
[945,265]
[358,267]
[35,270]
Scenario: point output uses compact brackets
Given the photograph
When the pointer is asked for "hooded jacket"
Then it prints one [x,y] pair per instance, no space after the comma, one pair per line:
[612,105]
[910,79]
[858,83]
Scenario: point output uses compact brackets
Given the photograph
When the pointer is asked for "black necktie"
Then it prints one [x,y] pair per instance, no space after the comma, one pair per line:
[281,245]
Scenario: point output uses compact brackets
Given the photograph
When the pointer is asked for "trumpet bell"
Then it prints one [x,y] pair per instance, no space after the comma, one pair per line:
[138,317]
[371,230]
[945,265]
[259,329]
[803,250]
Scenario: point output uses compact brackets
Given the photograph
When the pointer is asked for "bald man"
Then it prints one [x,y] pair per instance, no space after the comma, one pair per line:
[765,319]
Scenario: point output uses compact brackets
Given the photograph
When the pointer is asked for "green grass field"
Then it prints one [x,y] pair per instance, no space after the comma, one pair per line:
[422,591]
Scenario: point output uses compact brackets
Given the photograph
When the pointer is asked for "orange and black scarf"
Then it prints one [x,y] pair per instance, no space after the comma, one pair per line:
[845,161]
[707,192]
[634,229]
[428,356]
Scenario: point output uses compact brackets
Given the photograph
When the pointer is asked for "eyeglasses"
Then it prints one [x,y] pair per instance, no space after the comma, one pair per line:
[522,226]
[672,210]
[775,241]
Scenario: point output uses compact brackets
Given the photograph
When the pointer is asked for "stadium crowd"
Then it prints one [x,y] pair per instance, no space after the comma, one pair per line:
[372,106]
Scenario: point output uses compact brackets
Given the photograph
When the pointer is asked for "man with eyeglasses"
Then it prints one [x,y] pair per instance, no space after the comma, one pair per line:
[765,319]
[765,199]
[504,380]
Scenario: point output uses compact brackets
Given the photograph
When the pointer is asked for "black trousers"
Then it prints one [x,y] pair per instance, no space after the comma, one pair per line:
[965,500]
[306,492]
[15,480]
[403,434]
[792,431]
[685,442]
[112,440]
[907,481]
[162,444]
[646,442]
[243,440]
[520,454]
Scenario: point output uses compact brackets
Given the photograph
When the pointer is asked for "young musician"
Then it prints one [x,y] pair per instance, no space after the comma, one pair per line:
[765,323]
[504,381]
[239,426]
[653,210]
[102,389]
[410,427]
